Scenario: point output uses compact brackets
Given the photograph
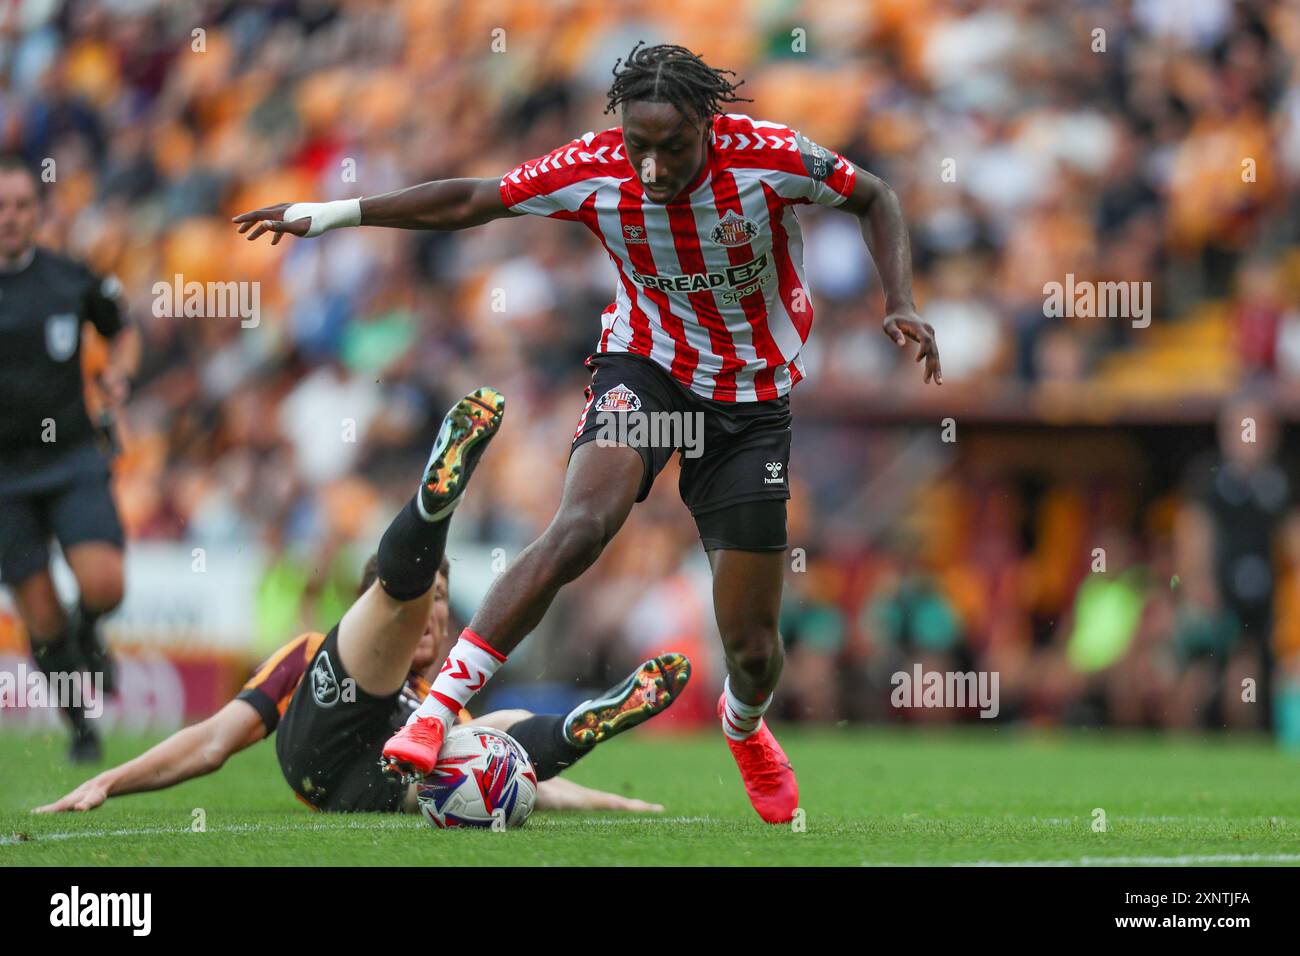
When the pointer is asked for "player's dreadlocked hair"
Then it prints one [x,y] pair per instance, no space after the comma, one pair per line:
[672,74]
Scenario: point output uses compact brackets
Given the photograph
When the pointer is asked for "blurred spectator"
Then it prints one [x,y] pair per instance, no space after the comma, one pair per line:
[1238,508]
[911,621]
[815,631]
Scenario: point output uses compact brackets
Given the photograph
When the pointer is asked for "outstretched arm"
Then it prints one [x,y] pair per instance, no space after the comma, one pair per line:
[441,204]
[881,218]
[560,794]
[188,753]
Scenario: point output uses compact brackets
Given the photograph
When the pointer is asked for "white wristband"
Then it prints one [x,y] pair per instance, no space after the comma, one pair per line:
[326,215]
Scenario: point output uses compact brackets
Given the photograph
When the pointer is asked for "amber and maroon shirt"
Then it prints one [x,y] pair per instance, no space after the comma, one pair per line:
[272,686]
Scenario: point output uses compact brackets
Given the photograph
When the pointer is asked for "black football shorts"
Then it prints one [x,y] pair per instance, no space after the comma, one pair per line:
[735,456]
[66,498]
[331,739]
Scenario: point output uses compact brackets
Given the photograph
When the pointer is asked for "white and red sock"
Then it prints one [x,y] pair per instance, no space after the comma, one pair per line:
[740,720]
[469,666]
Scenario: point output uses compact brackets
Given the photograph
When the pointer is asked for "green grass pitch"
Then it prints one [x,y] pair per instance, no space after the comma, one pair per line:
[870,797]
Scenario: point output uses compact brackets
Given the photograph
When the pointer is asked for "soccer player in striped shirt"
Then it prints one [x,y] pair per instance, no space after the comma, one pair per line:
[695,208]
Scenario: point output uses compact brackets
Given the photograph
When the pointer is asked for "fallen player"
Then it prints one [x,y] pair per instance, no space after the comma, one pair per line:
[333,700]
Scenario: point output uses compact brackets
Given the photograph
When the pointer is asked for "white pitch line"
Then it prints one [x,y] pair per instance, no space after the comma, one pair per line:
[176,831]
[394,823]
[1144,860]
[405,823]
[1071,821]
[635,821]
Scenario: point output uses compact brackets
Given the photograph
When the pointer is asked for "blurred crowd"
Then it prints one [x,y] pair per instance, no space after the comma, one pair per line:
[1154,141]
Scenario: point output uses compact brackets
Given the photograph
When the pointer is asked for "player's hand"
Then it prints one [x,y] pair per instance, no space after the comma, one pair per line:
[86,797]
[271,219]
[115,387]
[904,324]
[612,801]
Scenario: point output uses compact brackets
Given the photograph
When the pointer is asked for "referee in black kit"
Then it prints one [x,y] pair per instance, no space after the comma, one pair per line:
[54,476]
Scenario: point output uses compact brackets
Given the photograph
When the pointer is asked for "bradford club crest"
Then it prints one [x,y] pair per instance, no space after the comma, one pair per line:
[733,230]
[324,685]
[633,233]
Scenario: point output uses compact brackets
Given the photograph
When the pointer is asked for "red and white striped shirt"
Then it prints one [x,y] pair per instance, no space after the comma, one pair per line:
[711,285]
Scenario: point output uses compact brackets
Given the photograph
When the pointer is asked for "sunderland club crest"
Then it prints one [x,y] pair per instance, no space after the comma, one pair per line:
[734,230]
[620,398]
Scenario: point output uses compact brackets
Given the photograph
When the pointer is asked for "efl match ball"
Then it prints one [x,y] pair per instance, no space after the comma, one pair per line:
[483,777]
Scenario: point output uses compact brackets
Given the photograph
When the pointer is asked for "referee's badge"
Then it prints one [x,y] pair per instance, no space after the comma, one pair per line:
[61,335]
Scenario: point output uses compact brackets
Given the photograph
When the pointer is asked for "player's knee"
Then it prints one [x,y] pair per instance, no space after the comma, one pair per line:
[99,573]
[102,593]
[576,539]
[754,651]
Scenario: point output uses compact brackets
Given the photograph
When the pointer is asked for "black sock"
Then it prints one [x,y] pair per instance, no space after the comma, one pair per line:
[57,656]
[83,625]
[542,736]
[95,657]
[410,553]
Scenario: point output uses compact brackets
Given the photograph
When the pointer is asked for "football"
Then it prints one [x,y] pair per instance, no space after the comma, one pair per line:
[483,778]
